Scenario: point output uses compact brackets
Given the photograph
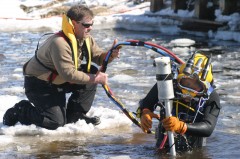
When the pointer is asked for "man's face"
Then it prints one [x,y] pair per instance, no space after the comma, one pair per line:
[191,83]
[190,88]
[82,28]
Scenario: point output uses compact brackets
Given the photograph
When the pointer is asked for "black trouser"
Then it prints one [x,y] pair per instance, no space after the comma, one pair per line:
[49,102]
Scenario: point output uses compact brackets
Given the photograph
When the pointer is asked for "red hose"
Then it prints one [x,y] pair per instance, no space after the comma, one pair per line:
[163,142]
[162,48]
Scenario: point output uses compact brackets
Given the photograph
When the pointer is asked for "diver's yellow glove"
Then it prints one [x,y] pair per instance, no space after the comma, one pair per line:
[173,124]
[146,119]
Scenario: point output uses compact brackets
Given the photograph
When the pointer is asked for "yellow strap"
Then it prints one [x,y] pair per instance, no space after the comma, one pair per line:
[68,30]
[89,54]
[184,105]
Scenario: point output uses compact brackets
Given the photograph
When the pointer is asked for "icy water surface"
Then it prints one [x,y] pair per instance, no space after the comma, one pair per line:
[130,78]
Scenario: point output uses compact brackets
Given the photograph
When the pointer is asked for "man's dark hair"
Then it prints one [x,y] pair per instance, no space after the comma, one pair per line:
[78,12]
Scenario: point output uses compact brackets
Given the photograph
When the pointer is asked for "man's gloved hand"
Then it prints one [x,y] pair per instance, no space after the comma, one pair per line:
[173,124]
[146,119]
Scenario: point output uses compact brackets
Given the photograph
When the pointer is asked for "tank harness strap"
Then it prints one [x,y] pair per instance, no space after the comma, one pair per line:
[54,73]
[25,65]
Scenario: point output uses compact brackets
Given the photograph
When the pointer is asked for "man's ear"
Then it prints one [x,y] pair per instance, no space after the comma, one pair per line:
[74,22]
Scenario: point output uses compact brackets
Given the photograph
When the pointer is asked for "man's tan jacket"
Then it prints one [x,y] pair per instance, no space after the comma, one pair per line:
[56,53]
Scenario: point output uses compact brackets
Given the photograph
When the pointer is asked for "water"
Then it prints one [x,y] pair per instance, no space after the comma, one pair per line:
[130,78]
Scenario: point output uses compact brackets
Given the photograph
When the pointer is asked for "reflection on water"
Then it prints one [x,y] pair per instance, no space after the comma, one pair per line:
[130,78]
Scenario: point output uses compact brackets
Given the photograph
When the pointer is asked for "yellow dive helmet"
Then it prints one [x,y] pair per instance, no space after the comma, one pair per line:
[195,77]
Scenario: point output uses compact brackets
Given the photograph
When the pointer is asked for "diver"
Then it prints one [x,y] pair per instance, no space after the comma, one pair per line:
[195,109]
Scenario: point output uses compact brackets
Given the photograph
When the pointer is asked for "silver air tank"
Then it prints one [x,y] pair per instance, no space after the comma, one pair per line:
[164,78]
[165,91]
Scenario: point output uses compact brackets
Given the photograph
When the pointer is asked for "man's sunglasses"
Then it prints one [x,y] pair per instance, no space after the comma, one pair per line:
[86,25]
